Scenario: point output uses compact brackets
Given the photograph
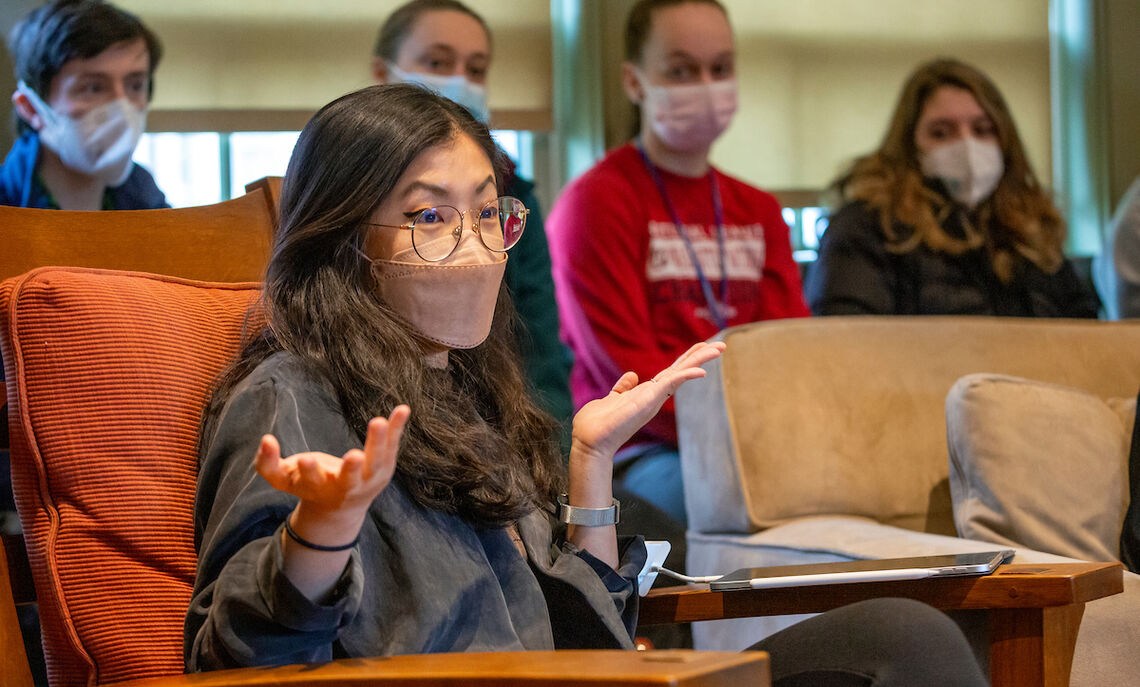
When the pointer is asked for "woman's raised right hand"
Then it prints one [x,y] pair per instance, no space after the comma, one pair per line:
[337,486]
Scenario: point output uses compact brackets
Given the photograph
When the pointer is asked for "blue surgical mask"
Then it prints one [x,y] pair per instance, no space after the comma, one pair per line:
[457,89]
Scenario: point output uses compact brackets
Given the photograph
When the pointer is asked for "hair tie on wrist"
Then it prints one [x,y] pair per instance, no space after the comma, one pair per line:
[316,547]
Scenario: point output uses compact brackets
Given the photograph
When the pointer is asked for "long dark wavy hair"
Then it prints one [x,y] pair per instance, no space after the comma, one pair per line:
[1019,218]
[476,444]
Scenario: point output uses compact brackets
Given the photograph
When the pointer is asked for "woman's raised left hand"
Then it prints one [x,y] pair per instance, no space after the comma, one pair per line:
[602,426]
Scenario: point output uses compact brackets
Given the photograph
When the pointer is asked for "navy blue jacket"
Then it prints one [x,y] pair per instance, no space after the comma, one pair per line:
[18,187]
[528,279]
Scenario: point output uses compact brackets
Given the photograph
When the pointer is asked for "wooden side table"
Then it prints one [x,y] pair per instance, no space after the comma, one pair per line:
[1034,610]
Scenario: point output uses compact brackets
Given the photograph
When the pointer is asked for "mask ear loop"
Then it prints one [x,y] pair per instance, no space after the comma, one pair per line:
[369,261]
[42,109]
[357,246]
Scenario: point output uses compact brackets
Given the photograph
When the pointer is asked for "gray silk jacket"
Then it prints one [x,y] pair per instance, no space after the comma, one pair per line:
[419,581]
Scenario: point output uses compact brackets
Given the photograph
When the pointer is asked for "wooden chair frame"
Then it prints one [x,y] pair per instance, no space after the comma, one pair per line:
[225,237]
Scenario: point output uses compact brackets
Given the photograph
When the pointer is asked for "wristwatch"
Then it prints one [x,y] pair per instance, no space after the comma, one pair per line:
[588,517]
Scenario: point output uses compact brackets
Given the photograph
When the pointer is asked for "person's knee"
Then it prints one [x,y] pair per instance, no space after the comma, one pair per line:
[882,642]
[903,625]
[907,620]
[910,638]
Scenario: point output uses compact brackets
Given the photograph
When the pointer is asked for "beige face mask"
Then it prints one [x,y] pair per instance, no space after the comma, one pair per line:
[451,302]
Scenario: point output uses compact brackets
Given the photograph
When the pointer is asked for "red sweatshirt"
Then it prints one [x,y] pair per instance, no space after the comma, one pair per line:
[628,293]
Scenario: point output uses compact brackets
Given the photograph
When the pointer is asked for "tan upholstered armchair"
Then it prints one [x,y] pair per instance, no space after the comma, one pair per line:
[826,439]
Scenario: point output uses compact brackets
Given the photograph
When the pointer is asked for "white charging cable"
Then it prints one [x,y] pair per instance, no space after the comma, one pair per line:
[684,578]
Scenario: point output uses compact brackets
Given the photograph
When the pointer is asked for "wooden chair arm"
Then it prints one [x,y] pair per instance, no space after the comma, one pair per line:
[518,669]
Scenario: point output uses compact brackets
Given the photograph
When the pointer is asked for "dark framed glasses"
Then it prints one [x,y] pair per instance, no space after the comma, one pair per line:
[436,230]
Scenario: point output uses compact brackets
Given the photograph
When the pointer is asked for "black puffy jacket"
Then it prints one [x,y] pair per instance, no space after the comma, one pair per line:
[857,275]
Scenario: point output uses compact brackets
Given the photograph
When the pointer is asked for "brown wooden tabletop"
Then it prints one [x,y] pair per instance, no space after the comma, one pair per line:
[522,669]
[1010,586]
[1034,611]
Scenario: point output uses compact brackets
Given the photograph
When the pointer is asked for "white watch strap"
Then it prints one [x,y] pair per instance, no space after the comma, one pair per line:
[588,517]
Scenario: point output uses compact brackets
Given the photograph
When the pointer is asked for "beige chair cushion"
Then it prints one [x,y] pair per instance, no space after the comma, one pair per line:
[845,415]
[1039,465]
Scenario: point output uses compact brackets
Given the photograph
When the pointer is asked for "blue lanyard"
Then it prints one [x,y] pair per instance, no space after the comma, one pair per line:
[716,308]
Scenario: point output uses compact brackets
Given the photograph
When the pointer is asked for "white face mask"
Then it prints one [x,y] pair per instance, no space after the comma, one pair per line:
[99,144]
[457,89]
[970,169]
[451,302]
[689,117]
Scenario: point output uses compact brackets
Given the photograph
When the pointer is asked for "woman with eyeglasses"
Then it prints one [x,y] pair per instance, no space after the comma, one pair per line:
[375,479]
[446,46]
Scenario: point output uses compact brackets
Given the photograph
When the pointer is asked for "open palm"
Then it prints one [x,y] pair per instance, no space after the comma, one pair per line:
[327,483]
[602,426]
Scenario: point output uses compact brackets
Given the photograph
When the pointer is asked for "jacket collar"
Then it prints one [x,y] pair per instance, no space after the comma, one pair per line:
[19,167]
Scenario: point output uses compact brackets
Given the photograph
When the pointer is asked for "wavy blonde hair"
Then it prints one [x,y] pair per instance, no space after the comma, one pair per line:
[1018,218]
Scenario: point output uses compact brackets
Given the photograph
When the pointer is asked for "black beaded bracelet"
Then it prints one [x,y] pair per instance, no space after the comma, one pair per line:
[316,547]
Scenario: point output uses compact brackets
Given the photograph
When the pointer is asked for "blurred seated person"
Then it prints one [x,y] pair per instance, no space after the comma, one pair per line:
[445,46]
[653,247]
[946,217]
[376,481]
[1117,268]
[86,74]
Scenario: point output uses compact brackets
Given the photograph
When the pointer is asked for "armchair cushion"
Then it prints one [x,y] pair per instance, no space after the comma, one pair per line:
[128,369]
[1039,465]
[845,415]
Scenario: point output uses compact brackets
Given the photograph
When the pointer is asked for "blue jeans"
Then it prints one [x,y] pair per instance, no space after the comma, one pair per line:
[653,472]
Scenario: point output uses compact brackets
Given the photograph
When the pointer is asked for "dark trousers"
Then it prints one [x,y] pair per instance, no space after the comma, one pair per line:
[883,642]
[1130,534]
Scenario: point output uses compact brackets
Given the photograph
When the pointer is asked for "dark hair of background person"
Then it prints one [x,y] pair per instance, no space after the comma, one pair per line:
[399,23]
[1018,218]
[476,445]
[52,35]
[637,28]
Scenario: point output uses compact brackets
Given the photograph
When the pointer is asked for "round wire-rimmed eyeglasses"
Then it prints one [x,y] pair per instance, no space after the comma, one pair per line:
[436,230]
